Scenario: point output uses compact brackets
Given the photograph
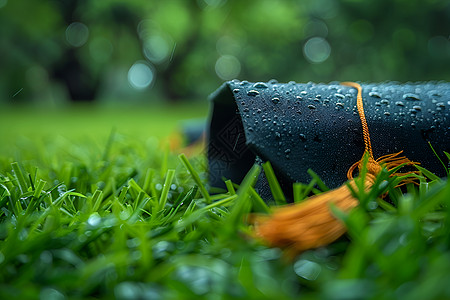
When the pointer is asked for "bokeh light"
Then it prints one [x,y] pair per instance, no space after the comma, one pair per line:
[77,34]
[141,75]
[316,50]
[228,67]
[157,48]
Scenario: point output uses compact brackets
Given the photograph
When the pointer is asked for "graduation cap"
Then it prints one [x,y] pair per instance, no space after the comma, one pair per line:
[323,127]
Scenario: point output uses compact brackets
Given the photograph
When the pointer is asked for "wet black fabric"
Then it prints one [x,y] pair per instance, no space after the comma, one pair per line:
[301,126]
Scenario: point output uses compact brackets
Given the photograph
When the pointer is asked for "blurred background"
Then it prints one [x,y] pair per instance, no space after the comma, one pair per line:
[139,51]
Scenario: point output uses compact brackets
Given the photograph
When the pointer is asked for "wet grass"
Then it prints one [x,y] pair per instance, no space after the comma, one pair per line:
[86,214]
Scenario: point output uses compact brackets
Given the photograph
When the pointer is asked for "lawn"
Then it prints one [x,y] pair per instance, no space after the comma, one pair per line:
[95,205]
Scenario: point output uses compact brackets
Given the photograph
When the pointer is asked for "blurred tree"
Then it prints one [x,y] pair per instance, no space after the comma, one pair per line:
[184,49]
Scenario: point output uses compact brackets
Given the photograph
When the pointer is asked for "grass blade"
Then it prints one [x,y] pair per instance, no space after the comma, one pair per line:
[274,185]
[195,176]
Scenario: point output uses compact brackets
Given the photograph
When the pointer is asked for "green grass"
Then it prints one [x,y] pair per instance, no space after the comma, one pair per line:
[85,214]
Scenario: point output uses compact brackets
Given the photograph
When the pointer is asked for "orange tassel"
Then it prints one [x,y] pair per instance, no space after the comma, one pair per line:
[311,224]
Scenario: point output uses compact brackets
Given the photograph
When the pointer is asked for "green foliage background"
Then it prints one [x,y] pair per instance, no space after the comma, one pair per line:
[372,40]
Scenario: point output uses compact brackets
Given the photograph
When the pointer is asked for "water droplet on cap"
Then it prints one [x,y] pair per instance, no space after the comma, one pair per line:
[417,107]
[276,100]
[311,106]
[399,103]
[375,94]
[260,85]
[252,93]
[411,97]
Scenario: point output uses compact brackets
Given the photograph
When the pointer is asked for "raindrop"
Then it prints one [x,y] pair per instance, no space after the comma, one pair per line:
[311,106]
[339,104]
[399,103]
[375,94]
[258,110]
[287,151]
[377,103]
[252,93]
[440,104]
[277,135]
[386,113]
[384,101]
[411,97]
[236,91]
[340,96]
[304,93]
[94,219]
[276,100]
[260,85]
[299,98]
[302,137]
[417,107]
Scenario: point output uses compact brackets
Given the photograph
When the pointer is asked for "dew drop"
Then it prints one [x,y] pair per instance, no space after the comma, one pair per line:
[260,85]
[276,100]
[384,101]
[277,135]
[339,104]
[311,106]
[375,94]
[411,97]
[386,113]
[302,137]
[399,103]
[258,110]
[340,96]
[287,151]
[440,104]
[303,93]
[252,93]
[236,91]
[417,107]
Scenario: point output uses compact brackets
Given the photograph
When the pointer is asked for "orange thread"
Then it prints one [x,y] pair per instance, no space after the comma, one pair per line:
[362,116]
